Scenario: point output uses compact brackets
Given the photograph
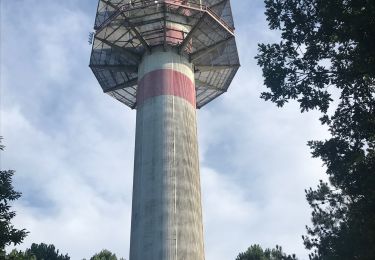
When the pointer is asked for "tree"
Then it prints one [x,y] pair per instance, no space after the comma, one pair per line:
[19,255]
[255,252]
[37,252]
[327,48]
[104,255]
[8,233]
[45,252]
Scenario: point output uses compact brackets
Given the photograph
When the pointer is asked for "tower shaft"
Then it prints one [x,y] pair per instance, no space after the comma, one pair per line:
[166,213]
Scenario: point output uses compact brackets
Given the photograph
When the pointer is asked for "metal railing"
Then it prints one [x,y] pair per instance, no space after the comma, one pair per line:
[178,3]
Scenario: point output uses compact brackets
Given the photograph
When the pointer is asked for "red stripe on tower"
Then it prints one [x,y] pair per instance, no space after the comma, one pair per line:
[166,82]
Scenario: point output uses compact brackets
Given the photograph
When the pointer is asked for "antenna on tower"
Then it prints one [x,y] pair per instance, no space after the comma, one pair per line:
[91,37]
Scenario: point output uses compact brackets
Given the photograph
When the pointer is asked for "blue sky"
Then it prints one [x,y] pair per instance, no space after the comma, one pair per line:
[72,146]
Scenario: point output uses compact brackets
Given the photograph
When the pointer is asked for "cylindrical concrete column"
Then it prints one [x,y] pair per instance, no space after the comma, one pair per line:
[167,212]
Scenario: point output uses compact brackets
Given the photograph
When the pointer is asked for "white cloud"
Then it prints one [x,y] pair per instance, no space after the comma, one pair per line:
[227,214]
[76,201]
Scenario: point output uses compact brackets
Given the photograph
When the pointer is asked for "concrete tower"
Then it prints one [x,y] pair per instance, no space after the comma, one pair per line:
[165,59]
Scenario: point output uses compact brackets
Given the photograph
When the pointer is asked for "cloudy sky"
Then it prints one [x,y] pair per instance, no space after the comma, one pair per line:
[72,146]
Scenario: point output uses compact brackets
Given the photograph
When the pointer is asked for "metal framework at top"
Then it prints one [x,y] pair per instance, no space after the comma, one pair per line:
[202,30]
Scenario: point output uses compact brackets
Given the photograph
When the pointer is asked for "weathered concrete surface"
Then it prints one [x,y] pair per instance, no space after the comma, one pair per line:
[167,211]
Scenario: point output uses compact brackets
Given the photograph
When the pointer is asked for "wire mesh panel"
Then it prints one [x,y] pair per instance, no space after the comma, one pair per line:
[201,30]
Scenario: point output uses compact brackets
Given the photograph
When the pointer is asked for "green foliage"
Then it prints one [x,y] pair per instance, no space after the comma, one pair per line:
[19,255]
[324,44]
[8,233]
[104,255]
[36,252]
[327,47]
[255,252]
[45,252]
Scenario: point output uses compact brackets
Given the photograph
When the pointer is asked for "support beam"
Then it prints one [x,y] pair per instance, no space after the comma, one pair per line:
[137,34]
[123,85]
[133,29]
[203,68]
[207,85]
[116,68]
[210,98]
[189,36]
[196,55]
[110,19]
[218,19]
[111,5]
[121,98]
[131,55]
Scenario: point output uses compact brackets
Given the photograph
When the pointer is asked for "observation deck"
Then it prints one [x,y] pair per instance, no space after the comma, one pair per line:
[202,31]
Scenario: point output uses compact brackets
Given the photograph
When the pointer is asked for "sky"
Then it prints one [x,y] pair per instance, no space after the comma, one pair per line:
[73,147]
